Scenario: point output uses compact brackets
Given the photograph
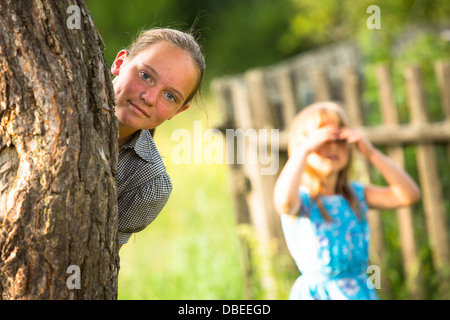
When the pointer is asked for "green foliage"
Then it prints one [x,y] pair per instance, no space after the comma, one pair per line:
[119,22]
[246,34]
[319,22]
[236,35]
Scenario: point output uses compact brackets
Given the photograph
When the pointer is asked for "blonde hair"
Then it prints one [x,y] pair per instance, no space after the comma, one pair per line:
[310,118]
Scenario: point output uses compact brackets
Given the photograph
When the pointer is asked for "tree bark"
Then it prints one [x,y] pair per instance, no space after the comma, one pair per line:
[58,155]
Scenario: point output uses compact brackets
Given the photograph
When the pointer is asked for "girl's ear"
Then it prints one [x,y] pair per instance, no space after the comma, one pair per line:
[120,58]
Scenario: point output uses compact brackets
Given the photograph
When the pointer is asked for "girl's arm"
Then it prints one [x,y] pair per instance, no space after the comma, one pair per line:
[402,190]
[286,199]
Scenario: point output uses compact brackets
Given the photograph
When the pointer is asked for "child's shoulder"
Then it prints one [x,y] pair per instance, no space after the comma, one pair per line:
[358,188]
[304,193]
[357,185]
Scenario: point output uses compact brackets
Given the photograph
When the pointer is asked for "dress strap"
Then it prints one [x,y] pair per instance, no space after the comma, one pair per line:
[306,205]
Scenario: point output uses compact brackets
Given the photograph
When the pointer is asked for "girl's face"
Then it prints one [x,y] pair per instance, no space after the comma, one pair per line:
[152,87]
[330,157]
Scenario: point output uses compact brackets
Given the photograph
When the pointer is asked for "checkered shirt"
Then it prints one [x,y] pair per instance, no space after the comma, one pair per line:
[143,185]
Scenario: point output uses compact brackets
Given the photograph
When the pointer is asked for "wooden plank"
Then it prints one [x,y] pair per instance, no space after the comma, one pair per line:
[388,135]
[240,104]
[350,84]
[386,95]
[352,103]
[321,86]
[404,215]
[428,173]
[259,104]
[220,89]
[255,196]
[286,89]
[238,184]
[442,69]
[239,189]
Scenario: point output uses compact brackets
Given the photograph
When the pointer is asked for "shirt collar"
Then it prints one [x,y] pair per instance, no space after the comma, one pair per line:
[142,143]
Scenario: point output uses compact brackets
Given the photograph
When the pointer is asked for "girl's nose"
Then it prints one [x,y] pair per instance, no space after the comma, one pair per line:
[149,96]
[332,145]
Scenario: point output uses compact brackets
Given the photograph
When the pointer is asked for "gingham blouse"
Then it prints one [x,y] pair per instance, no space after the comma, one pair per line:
[143,185]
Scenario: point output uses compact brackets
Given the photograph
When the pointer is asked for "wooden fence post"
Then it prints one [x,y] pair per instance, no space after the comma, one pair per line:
[222,93]
[259,105]
[256,195]
[287,97]
[321,86]
[429,176]
[239,185]
[411,262]
[442,69]
[353,107]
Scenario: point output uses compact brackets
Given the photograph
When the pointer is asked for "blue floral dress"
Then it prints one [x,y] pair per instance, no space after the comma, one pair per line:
[331,256]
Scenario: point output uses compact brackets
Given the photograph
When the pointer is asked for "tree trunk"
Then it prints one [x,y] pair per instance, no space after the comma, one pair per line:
[58,155]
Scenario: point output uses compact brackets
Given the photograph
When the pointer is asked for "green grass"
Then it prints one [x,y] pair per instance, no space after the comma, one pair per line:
[191,250]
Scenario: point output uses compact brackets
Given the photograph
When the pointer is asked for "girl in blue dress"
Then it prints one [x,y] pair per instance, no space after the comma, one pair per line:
[323,214]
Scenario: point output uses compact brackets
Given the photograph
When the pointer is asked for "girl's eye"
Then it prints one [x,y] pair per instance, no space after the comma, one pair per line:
[171,97]
[145,76]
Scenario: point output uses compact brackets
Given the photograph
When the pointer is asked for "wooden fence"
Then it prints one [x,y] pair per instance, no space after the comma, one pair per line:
[268,98]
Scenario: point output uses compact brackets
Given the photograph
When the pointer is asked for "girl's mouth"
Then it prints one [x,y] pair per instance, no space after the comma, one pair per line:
[333,157]
[138,110]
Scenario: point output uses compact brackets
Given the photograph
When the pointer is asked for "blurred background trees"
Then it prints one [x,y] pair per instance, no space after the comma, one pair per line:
[238,35]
